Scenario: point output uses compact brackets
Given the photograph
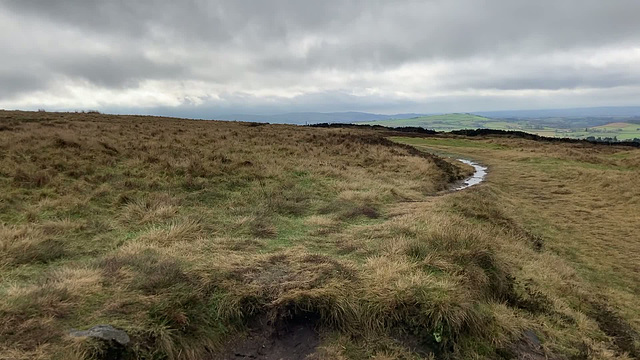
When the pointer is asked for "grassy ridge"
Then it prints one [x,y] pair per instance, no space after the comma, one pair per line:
[185,233]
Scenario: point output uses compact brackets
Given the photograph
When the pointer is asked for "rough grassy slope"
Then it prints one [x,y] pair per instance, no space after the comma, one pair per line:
[577,205]
[193,236]
[182,232]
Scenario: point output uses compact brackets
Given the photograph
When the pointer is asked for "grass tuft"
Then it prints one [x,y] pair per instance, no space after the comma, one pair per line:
[26,245]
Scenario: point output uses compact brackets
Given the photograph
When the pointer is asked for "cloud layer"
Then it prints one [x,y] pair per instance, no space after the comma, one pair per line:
[199,58]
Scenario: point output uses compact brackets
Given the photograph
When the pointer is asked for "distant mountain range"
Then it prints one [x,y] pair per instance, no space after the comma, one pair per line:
[302,118]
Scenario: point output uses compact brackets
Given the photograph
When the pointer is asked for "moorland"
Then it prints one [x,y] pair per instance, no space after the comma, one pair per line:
[214,240]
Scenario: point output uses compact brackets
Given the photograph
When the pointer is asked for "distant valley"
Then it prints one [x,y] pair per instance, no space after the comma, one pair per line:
[606,128]
[604,123]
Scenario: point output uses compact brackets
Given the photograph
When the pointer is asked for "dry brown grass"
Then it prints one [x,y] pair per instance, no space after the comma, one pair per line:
[184,232]
[26,244]
[180,231]
[576,205]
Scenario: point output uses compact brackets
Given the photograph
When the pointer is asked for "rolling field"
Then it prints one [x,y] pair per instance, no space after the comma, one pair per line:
[446,122]
[217,240]
[619,130]
[543,127]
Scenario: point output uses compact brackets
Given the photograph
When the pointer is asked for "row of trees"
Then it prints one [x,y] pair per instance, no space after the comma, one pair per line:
[610,139]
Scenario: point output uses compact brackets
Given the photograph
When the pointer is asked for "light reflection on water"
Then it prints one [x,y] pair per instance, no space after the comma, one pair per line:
[477,178]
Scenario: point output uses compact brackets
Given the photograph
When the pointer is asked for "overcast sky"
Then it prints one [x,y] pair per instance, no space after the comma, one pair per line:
[204,58]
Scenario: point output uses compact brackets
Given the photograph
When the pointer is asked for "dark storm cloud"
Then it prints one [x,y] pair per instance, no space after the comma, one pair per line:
[286,50]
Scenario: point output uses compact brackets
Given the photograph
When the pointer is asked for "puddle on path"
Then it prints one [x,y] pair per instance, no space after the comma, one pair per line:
[477,177]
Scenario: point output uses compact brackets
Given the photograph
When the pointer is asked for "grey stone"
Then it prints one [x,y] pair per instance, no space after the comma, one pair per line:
[532,338]
[103,332]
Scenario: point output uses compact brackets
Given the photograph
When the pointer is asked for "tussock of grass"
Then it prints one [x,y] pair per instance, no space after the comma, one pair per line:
[175,232]
[27,245]
[153,208]
[322,224]
[31,177]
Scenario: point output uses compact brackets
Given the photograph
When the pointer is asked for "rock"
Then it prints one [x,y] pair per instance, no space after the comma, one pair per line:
[531,337]
[103,332]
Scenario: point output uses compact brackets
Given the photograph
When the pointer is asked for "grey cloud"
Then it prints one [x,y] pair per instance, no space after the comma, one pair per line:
[116,71]
[383,36]
[421,28]
[546,81]
[445,24]
[218,22]
[541,76]
[247,45]
[336,101]
[17,83]
[328,101]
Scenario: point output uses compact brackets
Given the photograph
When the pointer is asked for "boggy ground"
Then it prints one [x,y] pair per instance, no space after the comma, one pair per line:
[214,240]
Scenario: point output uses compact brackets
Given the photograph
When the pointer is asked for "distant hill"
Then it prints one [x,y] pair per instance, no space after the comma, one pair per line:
[572,123]
[569,127]
[302,118]
[578,117]
[445,122]
[607,111]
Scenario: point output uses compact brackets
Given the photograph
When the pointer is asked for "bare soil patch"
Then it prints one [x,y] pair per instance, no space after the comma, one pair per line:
[294,340]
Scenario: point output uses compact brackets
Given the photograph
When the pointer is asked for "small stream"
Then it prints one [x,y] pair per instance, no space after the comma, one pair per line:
[477,177]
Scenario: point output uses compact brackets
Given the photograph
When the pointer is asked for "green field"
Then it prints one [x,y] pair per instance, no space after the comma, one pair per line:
[620,130]
[552,127]
[447,122]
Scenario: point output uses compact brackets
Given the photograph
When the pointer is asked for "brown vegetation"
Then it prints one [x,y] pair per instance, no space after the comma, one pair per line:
[192,235]
[576,204]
